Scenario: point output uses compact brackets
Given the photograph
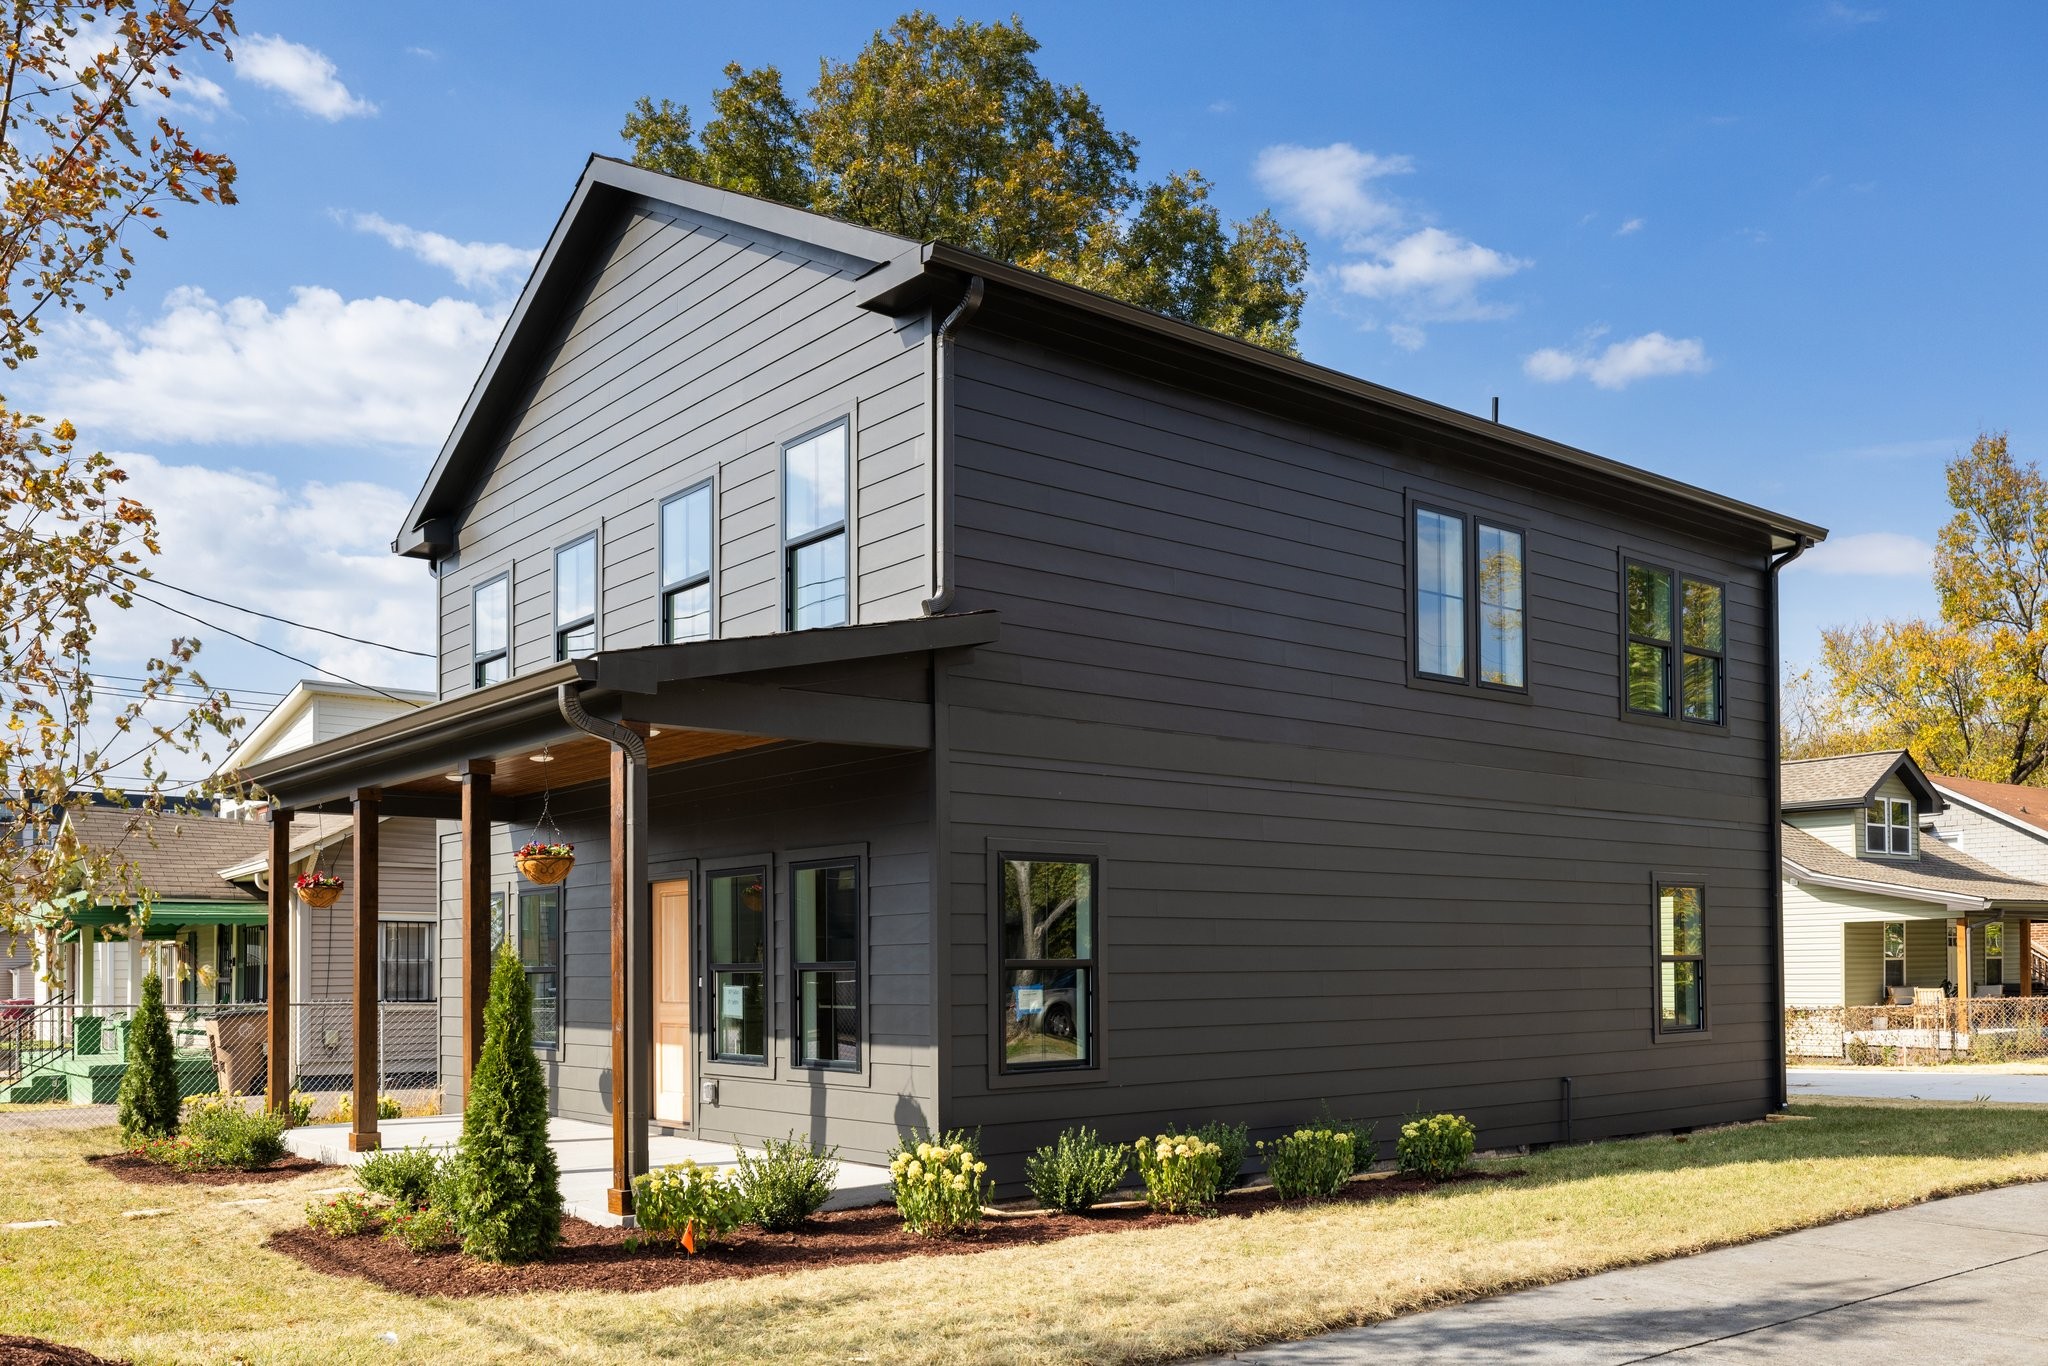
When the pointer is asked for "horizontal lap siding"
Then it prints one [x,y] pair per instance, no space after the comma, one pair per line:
[1322,883]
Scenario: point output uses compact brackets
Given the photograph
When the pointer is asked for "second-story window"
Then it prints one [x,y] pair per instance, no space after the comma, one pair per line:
[576,598]
[490,635]
[1676,641]
[814,529]
[686,566]
[1888,826]
[1469,581]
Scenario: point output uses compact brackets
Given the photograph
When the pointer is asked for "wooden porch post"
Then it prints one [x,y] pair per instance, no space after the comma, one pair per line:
[476,910]
[1962,975]
[363,1137]
[277,963]
[2026,938]
[632,975]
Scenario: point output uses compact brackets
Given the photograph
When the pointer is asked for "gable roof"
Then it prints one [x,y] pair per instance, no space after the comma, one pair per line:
[1938,874]
[255,742]
[2026,807]
[902,277]
[177,857]
[1851,780]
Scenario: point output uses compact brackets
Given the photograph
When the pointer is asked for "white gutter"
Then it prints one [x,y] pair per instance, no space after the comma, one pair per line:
[1948,901]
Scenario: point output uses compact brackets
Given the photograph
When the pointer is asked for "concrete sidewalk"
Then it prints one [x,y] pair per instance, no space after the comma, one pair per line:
[1930,1083]
[1963,1280]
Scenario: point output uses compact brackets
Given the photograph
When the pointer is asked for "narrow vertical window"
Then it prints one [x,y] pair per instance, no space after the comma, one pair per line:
[489,632]
[576,598]
[739,956]
[1994,954]
[1048,972]
[1895,953]
[1439,594]
[405,961]
[1503,648]
[1649,639]
[540,953]
[1681,960]
[1703,617]
[686,566]
[814,480]
[825,920]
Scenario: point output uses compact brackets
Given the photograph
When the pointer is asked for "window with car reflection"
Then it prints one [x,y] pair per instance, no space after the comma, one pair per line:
[1048,979]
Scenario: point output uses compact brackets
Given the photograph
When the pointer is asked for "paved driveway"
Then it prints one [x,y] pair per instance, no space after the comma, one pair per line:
[1896,1083]
[1956,1281]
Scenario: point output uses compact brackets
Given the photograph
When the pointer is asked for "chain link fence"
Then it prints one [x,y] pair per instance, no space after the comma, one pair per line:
[1931,1030]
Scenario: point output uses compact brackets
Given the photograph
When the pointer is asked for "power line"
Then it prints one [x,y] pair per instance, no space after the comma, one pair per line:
[249,640]
[285,621]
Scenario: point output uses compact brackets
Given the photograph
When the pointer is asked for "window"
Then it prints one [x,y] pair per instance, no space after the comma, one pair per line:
[490,634]
[576,598]
[239,965]
[1895,953]
[1456,557]
[686,566]
[1048,977]
[1675,644]
[1994,954]
[814,528]
[1888,826]
[825,914]
[1681,960]
[405,961]
[536,936]
[739,954]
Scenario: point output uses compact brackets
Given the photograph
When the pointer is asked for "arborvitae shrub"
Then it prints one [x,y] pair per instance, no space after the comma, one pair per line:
[149,1087]
[508,1198]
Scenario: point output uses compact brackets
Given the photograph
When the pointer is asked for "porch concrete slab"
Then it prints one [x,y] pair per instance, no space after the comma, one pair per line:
[583,1150]
[1903,1083]
[1963,1280]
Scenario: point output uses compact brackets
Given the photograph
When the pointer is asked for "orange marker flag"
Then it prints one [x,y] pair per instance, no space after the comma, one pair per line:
[690,1237]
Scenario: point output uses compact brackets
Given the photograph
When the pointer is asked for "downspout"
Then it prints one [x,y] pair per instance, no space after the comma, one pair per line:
[1775,758]
[941,482]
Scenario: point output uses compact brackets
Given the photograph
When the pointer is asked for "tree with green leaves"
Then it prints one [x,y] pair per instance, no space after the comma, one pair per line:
[149,1085]
[508,1198]
[950,133]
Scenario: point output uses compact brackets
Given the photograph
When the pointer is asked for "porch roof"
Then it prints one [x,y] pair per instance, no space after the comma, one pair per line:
[166,918]
[693,701]
[1947,877]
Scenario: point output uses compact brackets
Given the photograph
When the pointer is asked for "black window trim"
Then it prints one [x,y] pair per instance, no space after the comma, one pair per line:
[1682,649]
[385,934]
[709,578]
[1005,853]
[1470,523]
[1675,649]
[1658,1032]
[556,625]
[511,893]
[746,1064]
[842,528]
[856,966]
[477,661]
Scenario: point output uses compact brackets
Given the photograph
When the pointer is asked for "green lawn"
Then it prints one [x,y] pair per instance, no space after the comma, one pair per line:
[196,1286]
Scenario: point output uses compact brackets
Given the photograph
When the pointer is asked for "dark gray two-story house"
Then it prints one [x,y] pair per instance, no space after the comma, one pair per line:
[977,703]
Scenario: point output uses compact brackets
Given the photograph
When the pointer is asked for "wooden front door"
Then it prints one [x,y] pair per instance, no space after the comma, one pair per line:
[672,1001]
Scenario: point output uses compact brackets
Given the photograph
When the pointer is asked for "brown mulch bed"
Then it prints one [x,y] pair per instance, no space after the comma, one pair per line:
[594,1258]
[20,1351]
[141,1171]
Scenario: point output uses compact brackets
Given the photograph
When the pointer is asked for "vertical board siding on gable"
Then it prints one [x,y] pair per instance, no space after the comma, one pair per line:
[1321,882]
[693,352]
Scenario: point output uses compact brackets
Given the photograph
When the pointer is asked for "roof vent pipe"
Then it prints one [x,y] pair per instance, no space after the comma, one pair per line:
[941,425]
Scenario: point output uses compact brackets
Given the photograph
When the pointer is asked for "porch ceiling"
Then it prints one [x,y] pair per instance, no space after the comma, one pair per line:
[575,760]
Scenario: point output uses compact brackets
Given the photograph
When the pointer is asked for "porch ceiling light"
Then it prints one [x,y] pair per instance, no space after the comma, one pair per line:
[542,758]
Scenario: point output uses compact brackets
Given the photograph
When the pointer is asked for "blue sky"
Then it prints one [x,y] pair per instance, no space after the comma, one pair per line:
[1790,252]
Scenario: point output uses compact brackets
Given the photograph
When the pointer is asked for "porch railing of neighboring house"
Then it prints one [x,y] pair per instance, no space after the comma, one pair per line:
[1932,1030]
[32,1035]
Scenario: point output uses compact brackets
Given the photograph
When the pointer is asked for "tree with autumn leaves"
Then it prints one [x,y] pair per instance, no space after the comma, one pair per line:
[1968,691]
[89,157]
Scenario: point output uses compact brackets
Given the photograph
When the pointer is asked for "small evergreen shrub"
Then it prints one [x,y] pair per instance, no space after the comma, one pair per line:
[687,1202]
[1308,1164]
[940,1186]
[342,1216]
[1365,1147]
[787,1183]
[1183,1173]
[1076,1172]
[421,1230]
[1435,1146]
[405,1176]
[1235,1144]
[219,1132]
[149,1085]
[508,1198]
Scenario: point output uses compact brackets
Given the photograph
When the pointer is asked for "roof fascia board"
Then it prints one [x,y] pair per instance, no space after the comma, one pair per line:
[1892,889]
[2005,818]
[644,670]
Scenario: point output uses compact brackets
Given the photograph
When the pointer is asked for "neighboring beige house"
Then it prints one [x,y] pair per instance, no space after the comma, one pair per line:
[1878,902]
[2004,824]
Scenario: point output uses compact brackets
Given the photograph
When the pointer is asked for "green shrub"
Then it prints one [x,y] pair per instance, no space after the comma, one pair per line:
[688,1202]
[508,1198]
[1308,1164]
[1075,1172]
[342,1216]
[387,1108]
[422,1229]
[149,1084]
[1435,1146]
[298,1110]
[940,1183]
[1365,1148]
[1183,1173]
[1235,1144]
[407,1176]
[219,1132]
[787,1183]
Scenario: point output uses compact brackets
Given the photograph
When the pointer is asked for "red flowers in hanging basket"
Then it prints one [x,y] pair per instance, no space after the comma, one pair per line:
[318,890]
[545,863]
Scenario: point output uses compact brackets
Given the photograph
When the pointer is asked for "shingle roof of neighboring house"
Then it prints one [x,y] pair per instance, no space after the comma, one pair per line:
[178,858]
[310,831]
[1938,870]
[1846,780]
[2026,805]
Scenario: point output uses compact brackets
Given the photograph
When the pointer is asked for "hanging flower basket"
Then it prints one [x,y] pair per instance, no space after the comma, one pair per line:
[545,863]
[318,890]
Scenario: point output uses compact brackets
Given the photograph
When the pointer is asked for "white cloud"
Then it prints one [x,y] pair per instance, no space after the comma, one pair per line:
[1406,336]
[323,370]
[1887,554]
[1434,275]
[1622,363]
[1631,227]
[489,265]
[1850,16]
[302,75]
[1222,107]
[1331,186]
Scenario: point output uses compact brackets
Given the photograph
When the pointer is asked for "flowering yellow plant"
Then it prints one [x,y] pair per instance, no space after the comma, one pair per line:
[689,1202]
[940,1186]
[1309,1164]
[1182,1173]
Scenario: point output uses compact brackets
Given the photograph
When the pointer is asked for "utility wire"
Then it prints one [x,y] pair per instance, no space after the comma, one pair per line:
[286,621]
[250,640]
